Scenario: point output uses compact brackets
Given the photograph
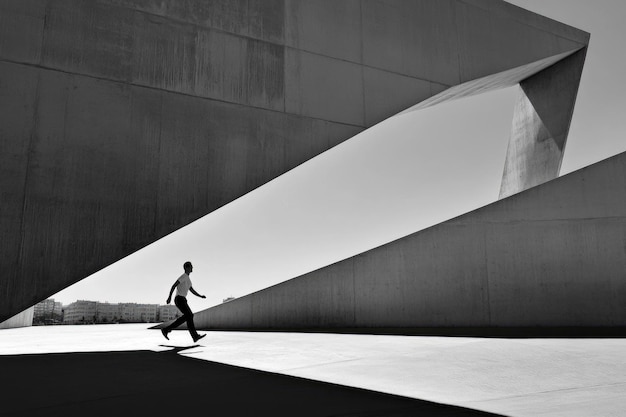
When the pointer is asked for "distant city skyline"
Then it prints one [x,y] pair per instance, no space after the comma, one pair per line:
[50,311]
[395,179]
[95,301]
[108,302]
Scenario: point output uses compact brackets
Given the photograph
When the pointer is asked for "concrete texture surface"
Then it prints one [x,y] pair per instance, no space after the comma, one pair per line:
[115,367]
[541,121]
[553,255]
[124,120]
[499,80]
[23,319]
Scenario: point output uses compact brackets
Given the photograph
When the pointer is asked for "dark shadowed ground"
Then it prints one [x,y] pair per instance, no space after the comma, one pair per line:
[146,383]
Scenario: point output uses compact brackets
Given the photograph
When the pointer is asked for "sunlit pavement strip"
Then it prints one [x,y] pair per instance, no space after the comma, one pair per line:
[514,377]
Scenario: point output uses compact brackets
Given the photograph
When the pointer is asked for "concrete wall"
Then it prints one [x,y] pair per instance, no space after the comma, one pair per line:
[541,123]
[124,120]
[23,319]
[553,255]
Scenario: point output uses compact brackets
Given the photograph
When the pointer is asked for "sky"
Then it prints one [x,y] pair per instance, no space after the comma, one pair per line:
[401,176]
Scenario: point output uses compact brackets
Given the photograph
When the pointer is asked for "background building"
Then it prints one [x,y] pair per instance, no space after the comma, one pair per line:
[138,313]
[107,313]
[48,312]
[80,312]
[167,313]
[90,312]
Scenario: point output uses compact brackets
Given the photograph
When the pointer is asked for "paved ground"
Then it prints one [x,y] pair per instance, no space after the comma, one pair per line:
[129,367]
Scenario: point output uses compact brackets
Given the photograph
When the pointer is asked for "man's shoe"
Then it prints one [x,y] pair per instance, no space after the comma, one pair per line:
[200,336]
[165,332]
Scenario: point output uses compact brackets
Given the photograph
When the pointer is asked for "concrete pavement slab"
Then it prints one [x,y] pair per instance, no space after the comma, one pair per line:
[513,377]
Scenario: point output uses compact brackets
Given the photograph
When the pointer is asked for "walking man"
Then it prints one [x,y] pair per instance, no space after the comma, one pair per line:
[183,285]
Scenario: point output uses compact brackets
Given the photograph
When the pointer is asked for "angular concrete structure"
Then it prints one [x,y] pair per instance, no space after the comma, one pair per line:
[122,120]
[540,125]
[551,256]
[23,319]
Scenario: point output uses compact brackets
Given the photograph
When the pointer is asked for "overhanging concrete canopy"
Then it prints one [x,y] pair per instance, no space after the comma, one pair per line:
[122,121]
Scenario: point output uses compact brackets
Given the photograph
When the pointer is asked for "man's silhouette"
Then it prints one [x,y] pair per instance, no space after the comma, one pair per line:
[183,285]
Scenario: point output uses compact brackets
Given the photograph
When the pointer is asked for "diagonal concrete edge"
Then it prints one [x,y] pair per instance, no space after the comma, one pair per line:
[552,255]
[504,79]
[542,116]
[541,122]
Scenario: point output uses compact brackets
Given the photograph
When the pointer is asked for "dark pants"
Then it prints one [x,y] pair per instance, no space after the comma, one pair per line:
[181,303]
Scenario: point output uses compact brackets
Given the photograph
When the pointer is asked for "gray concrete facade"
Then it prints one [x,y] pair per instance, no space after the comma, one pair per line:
[550,256]
[23,319]
[541,120]
[123,120]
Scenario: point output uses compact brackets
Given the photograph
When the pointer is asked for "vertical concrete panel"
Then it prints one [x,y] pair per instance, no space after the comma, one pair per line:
[21,30]
[123,44]
[248,149]
[228,153]
[207,63]
[327,27]
[78,155]
[183,156]
[89,38]
[257,19]
[265,149]
[533,155]
[48,126]
[412,37]
[265,75]
[540,125]
[324,88]
[164,53]
[226,15]
[221,70]
[18,91]
[266,20]
[145,139]
[99,162]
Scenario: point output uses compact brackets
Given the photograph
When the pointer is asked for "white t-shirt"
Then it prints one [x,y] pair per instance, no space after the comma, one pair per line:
[184,283]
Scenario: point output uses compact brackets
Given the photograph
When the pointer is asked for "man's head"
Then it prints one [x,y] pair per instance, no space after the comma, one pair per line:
[188,267]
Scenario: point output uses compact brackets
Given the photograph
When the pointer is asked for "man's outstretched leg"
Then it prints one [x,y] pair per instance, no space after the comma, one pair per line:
[174,325]
[181,303]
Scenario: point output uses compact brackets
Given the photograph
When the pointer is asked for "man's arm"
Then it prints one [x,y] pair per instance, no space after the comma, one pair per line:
[195,293]
[169,297]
